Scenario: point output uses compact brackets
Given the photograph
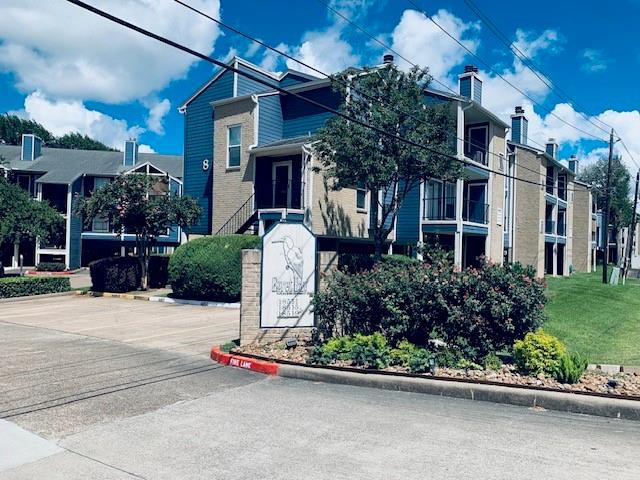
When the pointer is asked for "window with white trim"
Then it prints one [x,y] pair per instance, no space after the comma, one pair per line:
[100,223]
[234,146]
[361,196]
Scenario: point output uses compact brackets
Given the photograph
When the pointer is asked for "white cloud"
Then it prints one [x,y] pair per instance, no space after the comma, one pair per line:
[157,111]
[352,9]
[594,61]
[325,50]
[418,39]
[66,52]
[69,116]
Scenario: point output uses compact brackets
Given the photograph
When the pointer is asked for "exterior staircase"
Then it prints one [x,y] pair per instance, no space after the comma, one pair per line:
[244,220]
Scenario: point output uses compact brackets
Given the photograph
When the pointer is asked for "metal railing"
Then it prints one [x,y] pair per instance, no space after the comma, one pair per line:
[439,208]
[550,184]
[477,212]
[282,198]
[239,219]
[480,156]
[562,229]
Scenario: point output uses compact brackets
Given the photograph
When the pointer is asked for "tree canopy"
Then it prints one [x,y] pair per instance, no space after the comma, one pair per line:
[353,155]
[140,205]
[22,217]
[13,127]
[621,206]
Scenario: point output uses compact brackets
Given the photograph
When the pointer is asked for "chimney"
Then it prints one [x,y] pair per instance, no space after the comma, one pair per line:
[31,147]
[519,126]
[574,164]
[130,153]
[470,84]
[552,148]
[388,58]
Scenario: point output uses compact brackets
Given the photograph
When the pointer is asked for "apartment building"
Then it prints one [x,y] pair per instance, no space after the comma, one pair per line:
[59,176]
[549,215]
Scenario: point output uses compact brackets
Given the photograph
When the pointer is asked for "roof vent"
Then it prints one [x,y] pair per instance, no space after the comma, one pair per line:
[388,58]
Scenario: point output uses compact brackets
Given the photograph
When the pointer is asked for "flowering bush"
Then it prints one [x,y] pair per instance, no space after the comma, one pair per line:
[476,311]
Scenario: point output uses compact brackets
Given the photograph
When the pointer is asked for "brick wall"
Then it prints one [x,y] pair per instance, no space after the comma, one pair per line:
[250,331]
[232,187]
[581,228]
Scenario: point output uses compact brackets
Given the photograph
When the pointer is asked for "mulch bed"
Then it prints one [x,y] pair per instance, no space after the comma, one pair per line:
[593,381]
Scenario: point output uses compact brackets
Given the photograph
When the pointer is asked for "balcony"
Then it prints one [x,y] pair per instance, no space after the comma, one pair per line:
[476,212]
[281,195]
[550,184]
[550,227]
[439,208]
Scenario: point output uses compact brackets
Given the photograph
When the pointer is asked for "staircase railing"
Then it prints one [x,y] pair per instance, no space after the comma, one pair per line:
[239,219]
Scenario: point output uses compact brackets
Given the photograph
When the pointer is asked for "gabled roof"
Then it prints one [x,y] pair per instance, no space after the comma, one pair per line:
[61,165]
[460,98]
[541,153]
[278,77]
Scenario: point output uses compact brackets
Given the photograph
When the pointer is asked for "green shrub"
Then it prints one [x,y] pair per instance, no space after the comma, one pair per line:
[476,311]
[370,351]
[571,368]
[27,286]
[337,348]
[115,274]
[158,271]
[401,355]
[492,362]
[210,268]
[538,352]
[51,267]
[420,361]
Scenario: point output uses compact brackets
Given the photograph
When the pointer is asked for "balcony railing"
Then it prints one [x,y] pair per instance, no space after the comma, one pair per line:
[474,211]
[550,227]
[440,208]
[480,156]
[562,229]
[281,195]
[550,185]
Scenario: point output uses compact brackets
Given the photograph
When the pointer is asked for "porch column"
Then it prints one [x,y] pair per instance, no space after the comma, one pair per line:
[457,253]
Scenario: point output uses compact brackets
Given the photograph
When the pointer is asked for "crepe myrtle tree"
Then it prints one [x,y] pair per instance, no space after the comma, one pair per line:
[140,205]
[24,218]
[186,213]
[353,155]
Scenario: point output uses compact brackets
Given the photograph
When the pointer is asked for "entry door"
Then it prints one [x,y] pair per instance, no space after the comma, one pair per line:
[476,204]
[281,175]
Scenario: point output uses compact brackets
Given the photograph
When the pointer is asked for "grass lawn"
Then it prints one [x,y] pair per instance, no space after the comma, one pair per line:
[597,320]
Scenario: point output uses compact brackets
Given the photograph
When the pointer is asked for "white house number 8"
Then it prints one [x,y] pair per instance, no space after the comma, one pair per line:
[205,164]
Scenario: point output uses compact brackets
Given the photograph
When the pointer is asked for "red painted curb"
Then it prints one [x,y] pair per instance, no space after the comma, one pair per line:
[268,368]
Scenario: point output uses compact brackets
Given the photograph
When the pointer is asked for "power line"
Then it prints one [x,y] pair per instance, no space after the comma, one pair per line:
[282,90]
[529,63]
[337,80]
[471,52]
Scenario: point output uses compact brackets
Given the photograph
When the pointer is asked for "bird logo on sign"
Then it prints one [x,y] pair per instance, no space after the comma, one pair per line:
[292,255]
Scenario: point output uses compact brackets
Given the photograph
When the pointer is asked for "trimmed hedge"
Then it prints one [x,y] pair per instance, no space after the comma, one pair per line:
[210,268]
[51,267]
[158,271]
[27,286]
[115,274]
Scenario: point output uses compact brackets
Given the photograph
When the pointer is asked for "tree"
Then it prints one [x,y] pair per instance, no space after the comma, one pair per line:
[24,218]
[136,204]
[620,203]
[353,155]
[186,213]
[13,127]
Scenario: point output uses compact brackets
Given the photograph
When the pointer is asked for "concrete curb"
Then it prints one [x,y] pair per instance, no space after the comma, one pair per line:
[180,301]
[31,297]
[564,402]
[260,366]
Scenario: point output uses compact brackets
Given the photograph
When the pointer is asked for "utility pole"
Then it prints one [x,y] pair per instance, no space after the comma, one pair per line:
[605,277]
[632,232]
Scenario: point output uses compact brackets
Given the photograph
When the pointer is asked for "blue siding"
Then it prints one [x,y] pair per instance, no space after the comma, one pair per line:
[293,79]
[408,226]
[302,118]
[247,86]
[75,236]
[269,119]
[387,201]
[198,145]
[477,90]
[465,87]
[27,146]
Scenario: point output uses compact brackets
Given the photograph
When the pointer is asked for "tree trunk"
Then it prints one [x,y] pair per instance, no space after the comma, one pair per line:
[16,254]
[377,239]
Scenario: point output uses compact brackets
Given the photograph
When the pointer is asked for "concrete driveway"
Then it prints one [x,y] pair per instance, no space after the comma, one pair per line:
[183,328]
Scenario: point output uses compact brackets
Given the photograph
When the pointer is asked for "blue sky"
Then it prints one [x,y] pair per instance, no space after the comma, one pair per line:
[71,71]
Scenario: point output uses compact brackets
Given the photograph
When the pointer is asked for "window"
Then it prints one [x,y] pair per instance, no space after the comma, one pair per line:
[361,196]
[100,224]
[234,143]
[476,144]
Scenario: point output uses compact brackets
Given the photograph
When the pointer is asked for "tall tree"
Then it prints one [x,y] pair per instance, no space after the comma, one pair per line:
[13,127]
[353,155]
[136,204]
[620,203]
[186,213]
[24,218]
